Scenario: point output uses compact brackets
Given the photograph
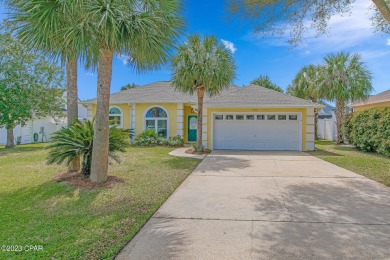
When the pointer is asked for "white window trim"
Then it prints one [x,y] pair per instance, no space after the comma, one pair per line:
[121,116]
[154,118]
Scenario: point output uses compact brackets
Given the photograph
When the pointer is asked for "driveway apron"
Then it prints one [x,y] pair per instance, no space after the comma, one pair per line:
[268,205]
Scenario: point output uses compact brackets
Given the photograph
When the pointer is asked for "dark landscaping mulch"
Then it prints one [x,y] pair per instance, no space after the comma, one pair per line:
[192,151]
[76,179]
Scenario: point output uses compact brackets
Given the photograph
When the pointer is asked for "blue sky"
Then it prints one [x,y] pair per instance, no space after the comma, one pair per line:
[254,55]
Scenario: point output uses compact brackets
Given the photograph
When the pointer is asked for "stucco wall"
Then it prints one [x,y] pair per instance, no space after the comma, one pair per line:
[125,108]
[207,135]
[169,107]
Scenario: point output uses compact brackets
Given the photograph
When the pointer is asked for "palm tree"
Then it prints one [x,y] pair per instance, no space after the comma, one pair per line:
[265,81]
[41,25]
[305,85]
[76,140]
[202,66]
[145,31]
[344,77]
[128,86]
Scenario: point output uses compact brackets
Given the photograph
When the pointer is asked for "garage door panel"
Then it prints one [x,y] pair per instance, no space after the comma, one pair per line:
[257,134]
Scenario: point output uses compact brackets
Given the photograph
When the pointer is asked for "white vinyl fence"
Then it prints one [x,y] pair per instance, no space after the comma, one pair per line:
[327,129]
[26,133]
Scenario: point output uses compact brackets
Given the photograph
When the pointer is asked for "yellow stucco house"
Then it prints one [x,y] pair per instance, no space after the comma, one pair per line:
[380,100]
[241,118]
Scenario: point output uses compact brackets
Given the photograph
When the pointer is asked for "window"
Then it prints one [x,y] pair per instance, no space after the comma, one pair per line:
[115,117]
[282,117]
[156,118]
[292,117]
[271,117]
[193,123]
[218,117]
[250,117]
[229,117]
[239,117]
[260,117]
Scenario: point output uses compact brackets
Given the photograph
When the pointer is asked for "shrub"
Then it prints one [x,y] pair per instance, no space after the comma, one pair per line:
[129,132]
[175,141]
[369,130]
[197,148]
[150,138]
[77,140]
[147,138]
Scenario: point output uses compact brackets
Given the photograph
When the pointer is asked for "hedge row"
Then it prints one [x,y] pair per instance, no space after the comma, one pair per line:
[369,130]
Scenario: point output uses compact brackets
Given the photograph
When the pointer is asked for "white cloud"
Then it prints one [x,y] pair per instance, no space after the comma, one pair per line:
[229,45]
[345,31]
[388,42]
[373,54]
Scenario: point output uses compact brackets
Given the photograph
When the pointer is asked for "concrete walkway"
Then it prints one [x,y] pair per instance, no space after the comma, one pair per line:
[268,205]
[181,152]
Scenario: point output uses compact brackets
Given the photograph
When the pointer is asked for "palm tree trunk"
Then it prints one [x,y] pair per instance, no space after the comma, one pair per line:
[72,103]
[200,92]
[99,168]
[383,8]
[340,106]
[10,138]
[316,123]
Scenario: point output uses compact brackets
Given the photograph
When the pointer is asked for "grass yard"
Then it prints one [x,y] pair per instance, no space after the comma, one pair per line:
[74,223]
[371,165]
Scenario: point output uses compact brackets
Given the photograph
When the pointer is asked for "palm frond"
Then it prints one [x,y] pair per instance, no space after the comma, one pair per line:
[77,141]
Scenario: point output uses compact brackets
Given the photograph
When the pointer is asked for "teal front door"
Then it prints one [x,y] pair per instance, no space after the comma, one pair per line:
[192,123]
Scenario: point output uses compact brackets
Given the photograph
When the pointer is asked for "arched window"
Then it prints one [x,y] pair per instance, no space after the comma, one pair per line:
[115,117]
[156,118]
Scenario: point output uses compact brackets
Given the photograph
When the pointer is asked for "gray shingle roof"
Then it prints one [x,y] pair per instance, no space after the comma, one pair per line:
[381,97]
[256,96]
[233,96]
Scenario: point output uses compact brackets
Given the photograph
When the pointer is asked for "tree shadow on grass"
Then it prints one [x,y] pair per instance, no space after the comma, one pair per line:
[320,152]
[179,162]
[20,149]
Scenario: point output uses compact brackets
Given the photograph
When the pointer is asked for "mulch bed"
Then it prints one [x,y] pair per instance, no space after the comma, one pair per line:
[192,151]
[76,179]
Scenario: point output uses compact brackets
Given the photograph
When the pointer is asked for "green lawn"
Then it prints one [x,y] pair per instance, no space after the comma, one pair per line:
[371,165]
[74,223]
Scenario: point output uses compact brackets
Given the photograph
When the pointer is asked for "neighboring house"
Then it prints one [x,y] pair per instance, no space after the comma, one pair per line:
[244,118]
[327,127]
[379,100]
[41,129]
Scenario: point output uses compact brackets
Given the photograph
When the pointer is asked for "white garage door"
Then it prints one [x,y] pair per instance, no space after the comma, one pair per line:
[257,131]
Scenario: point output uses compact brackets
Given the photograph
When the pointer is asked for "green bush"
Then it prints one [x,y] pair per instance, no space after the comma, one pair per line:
[369,130]
[147,138]
[150,138]
[175,141]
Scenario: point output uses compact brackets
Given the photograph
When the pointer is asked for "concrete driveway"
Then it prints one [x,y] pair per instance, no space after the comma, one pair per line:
[268,205]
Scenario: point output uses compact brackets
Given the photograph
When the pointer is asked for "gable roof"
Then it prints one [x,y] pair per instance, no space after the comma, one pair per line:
[256,96]
[381,97]
[233,96]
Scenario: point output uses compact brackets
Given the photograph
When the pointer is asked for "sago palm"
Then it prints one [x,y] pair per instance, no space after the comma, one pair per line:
[202,66]
[42,24]
[76,140]
[344,77]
